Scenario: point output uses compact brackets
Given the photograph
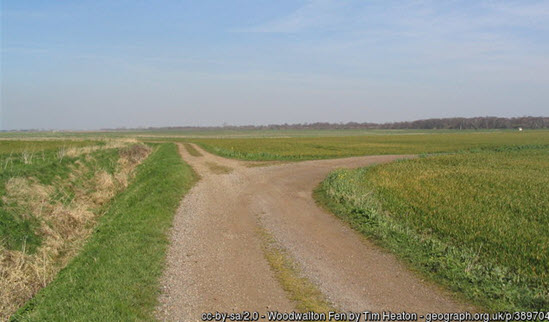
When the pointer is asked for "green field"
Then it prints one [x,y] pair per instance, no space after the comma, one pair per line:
[217,133]
[476,222]
[19,146]
[305,148]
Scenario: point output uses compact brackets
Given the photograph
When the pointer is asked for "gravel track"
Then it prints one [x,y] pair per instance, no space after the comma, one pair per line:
[215,260]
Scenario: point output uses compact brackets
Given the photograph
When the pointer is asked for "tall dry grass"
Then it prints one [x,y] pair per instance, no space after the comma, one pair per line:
[64,225]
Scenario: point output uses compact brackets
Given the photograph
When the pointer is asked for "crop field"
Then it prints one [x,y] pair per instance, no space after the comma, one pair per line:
[476,222]
[306,148]
[216,133]
[26,146]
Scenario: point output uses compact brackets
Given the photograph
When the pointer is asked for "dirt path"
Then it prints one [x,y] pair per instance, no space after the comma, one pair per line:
[216,263]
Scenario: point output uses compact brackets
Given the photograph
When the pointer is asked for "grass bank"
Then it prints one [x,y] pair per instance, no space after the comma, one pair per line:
[49,202]
[115,277]
[475,222]
[306,148]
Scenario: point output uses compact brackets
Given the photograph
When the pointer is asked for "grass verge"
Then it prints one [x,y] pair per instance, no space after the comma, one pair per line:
[475,222]
[116,275]
[302,291]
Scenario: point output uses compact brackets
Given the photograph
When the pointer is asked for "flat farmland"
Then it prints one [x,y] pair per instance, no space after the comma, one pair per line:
[274,161]
[308,148]
[458,215]
[31,146]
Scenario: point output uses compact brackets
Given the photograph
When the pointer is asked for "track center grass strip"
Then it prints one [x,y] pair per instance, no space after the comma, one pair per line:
[217,168]
[116,275]
[306,295]
[192,150]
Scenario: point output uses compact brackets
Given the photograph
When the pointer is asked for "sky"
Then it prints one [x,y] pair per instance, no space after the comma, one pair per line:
[107,64]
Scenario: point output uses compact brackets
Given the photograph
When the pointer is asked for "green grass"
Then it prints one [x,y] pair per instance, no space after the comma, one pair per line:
[192,151]
[18,146]
[304,293]
[216,133]
[115,276]
[476,222]
[217,168]
[305,148]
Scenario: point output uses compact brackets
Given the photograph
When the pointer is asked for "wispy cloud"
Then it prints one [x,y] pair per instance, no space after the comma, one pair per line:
[373,59]
[434,16]
[314,14]
[455,30]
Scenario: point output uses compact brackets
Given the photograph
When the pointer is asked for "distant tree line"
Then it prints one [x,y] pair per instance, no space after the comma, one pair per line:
[456,123]
[527,122]
[452,123]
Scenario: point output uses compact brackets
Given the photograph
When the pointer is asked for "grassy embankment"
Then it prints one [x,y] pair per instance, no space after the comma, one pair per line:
[475,222]
[49,201]
[336,147]
[115,275]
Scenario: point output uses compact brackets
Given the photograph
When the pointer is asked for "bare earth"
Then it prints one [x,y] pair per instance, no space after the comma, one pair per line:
[216,263]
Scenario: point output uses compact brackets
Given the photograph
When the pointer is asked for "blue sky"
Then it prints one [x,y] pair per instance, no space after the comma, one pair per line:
[99,64]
